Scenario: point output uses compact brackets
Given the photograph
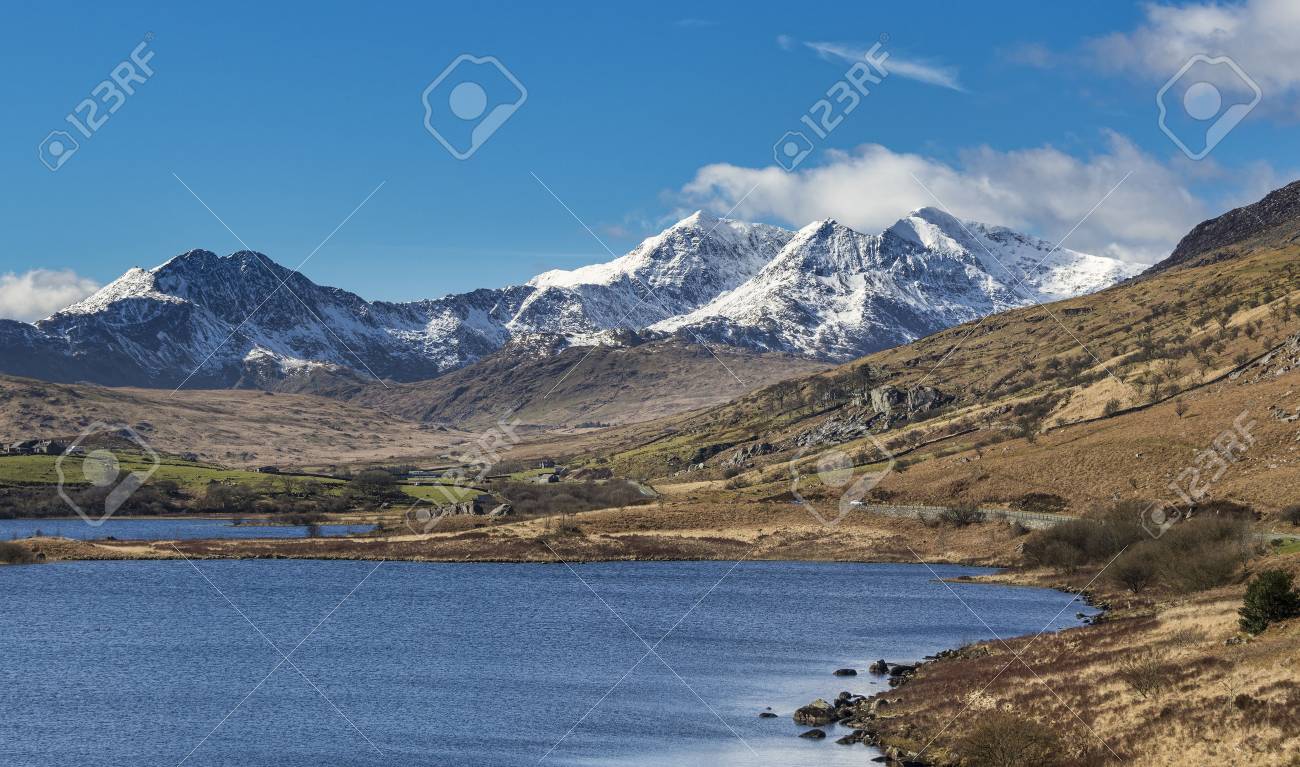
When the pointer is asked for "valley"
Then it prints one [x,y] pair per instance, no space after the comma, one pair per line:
[1148,429]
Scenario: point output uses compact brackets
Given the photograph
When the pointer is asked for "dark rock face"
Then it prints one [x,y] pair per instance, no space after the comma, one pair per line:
[845,672]
[915,399]
[814,734]
[874,410]
[745,454]
[1277,209]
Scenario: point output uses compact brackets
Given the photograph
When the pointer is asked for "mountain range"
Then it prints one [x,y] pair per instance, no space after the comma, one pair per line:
[825,292]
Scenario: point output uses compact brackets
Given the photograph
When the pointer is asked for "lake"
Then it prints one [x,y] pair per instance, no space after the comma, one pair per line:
[162,529]
[151,662]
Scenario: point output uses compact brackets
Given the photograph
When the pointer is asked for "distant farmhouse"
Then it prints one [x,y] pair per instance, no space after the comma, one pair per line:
[34,447]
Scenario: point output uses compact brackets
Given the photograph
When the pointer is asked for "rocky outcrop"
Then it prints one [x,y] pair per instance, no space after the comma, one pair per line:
[874,410]
[1213,240]
[746,454]
[1275,363]
[891,400]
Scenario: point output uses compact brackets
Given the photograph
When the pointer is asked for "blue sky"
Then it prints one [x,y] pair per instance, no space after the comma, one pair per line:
[283,117]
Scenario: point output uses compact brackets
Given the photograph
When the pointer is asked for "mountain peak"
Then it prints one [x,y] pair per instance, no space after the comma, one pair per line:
[698,219]
[195,255]
[822,228]
[932,228]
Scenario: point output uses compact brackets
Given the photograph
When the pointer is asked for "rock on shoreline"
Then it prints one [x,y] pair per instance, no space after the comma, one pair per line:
[858,713]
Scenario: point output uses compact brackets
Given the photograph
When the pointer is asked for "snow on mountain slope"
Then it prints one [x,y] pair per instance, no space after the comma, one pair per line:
[1047,272]
[674,272]
[826,292]
[836,294]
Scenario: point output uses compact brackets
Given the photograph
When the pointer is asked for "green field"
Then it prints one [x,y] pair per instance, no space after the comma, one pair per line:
[440,493]
[528,474]
[192,477]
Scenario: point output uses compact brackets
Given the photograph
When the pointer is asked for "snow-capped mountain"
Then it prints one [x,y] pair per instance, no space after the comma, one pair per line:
[675,272]
[836,294]
[826,292]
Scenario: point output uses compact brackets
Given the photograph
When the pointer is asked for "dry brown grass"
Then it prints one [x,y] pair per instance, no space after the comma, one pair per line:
[697,527]
[232,427]
[1153,684]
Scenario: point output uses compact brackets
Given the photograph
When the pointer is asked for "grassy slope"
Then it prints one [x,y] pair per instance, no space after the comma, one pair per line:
[229,427]
[1217,703]
[192,477]
[610,385]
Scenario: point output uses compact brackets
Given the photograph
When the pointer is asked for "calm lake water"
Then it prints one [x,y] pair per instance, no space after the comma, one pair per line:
[147,663]
[161,529]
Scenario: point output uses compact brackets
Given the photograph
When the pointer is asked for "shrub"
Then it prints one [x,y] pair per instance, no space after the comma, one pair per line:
[1201,553]
[961,516]
[375,482]
[227,499]
[1291,514]
[1082,542]
[1005,740]
[1133,570]
[15,554]
[530,498]
[1147,674]
[1198,554]
[1041,503]
[1269,598]
[1111,408]
[1222,507]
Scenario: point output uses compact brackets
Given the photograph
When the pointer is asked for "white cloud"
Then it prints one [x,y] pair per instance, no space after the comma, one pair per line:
[913,69]
[1262,36]
[41,292]
[1041,191]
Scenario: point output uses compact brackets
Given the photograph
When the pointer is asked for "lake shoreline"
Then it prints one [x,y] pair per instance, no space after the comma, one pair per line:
[876,733]
[678,534]
[867,718]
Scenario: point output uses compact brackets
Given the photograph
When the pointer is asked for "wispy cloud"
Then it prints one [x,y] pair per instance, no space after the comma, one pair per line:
[41,292]
[929,72]
[1259,36]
